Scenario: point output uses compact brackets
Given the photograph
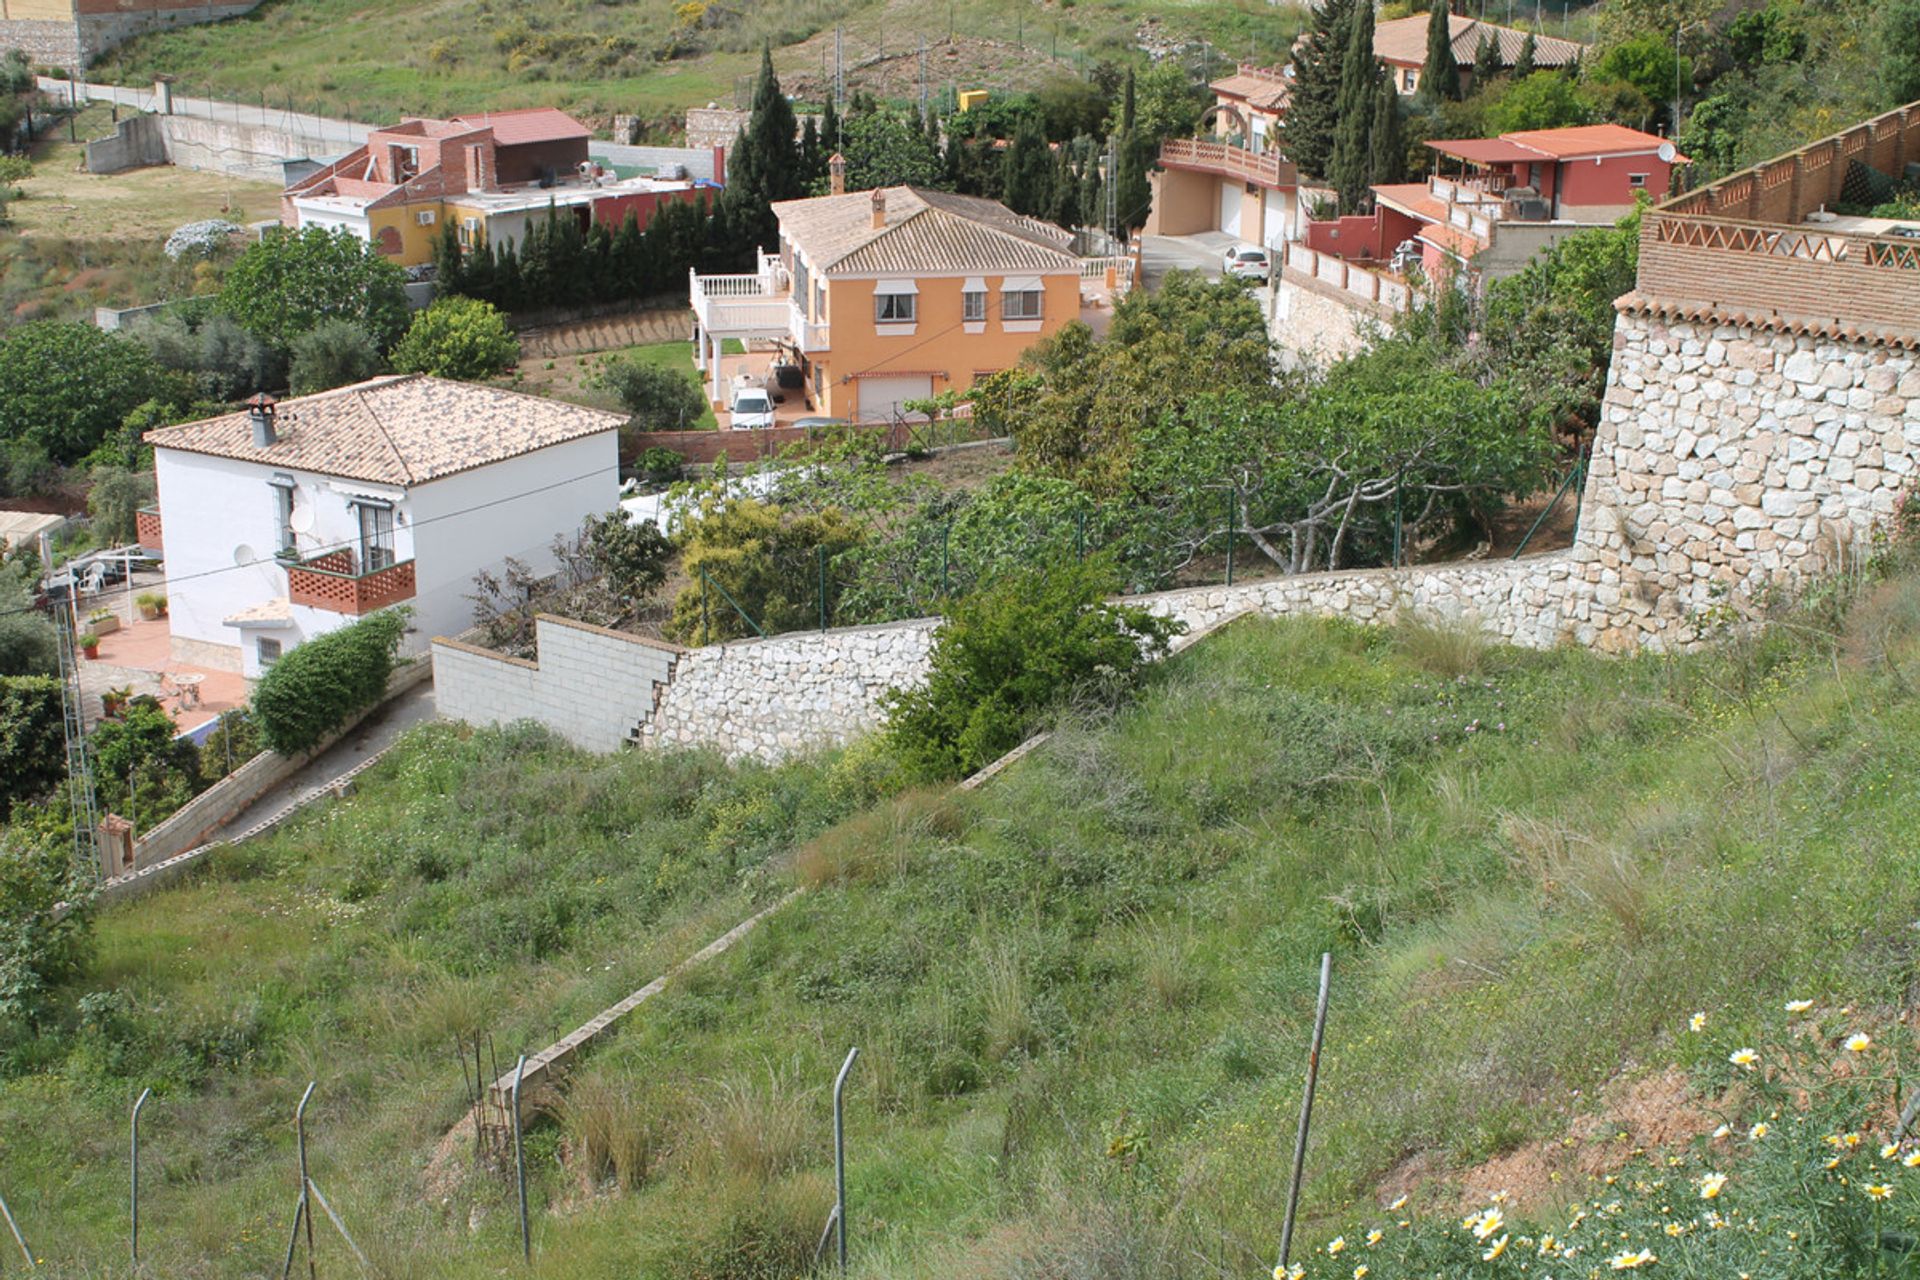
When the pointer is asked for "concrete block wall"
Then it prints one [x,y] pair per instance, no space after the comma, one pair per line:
[591,685]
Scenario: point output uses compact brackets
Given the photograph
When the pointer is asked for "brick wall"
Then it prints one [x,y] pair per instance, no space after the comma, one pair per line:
[591,685]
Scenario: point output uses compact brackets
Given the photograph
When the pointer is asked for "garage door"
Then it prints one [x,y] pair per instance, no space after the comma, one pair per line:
[1275,229]
[880,398]
[1230,208]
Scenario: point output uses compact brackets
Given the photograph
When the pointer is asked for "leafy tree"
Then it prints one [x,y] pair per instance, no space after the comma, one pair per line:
[1523,65]
[457,337]
[287,284]
[1544,100]
[46,933]
[882,150]
[631,555]
[1314,108]
[1069,106]
[142,770]
[33,750]
[1350,167]
[334,353]
[28,645]
[114,496]
[1007,654]
[1077,405]
[222,360]
[1440,75]
[659,398]
[319,685]
[764,164]
[1769,36]
[1647,62]
[758,557]
[1899,47]
[65,386]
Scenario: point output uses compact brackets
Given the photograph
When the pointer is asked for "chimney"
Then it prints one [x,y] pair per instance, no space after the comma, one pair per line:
[260,414]
[837,175]
[879,208]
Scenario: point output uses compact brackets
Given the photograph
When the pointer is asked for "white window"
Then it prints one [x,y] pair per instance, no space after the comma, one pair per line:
[893,308]
[283,509]
[376,536]
[267,651]
[1020,304]
[973,305]
[1409,80]
[1636,180]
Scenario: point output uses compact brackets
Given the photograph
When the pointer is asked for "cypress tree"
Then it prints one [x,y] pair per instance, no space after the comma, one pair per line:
[1440,77]
[1126,104]
[1523,65]
[1388,161]
[764,165]
[830,128]
[1133,194]
[511,291]
[1314,105]
[1093,202]
[1486,61]
[1028,183]
[1351,163]
[1063,199]
[813,161]
[449,271]
[476,275]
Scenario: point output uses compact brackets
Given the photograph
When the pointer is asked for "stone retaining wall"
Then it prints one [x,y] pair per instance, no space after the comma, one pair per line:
[592,686]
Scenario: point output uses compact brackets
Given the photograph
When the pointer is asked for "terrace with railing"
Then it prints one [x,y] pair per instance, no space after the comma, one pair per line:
[1352,281]
[1270,169]
[334,582]
[758,304]
[1760,243]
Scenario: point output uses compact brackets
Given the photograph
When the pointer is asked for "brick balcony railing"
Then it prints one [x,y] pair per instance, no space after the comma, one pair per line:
[1744,244]
[330,582]
[146,524]
[1269,170]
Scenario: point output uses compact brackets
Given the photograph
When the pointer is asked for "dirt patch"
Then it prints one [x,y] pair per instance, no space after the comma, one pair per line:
[1647,1113]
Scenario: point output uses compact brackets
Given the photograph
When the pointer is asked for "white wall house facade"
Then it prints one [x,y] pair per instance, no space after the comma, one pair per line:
[394,492]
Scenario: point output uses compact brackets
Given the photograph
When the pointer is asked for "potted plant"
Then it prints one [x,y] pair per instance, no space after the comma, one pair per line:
[90,643]
[103,622]
[114,701]
[151,604]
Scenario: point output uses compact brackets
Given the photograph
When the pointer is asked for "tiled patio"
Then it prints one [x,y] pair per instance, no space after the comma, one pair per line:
[139,656]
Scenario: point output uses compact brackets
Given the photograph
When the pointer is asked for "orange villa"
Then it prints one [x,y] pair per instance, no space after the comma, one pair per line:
[884,296]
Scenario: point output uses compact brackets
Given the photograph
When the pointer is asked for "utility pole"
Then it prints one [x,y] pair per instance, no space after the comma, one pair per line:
[923,82]
[839,70]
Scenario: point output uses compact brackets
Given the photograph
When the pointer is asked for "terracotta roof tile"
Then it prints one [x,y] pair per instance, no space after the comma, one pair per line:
[531,124]
[1637,303]
[924,230]
[398,430]
[1265,90]
[1404,40]
[1586,140]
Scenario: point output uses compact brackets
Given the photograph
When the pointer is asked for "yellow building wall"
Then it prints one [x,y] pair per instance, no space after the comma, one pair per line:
[939,344]
[416,241]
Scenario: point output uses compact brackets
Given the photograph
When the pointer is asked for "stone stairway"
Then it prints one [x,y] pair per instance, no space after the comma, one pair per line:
[607,333]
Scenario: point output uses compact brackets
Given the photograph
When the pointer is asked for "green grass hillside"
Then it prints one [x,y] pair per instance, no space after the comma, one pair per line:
[377,62]
[1082,994]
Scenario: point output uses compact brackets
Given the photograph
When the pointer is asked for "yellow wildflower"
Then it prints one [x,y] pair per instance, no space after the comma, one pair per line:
[1889,1150]
[1698,1022]
[1758,1131]
[1397,1205]
[1360,1272]
[1858,1042]
[1487,1223]
[1494,1250]
[1710,1185]
[1335,1245]
[1878,1190]
[1911,1159]
[1633,1260]
[1374,1236]
[1799,1006]
[1743,1058]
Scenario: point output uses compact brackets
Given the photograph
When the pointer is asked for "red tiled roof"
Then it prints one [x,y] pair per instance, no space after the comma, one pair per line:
[1404,41]
[533,124]
[1484,150]
[1586,140]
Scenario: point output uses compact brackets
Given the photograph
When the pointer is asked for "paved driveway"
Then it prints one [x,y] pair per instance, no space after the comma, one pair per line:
[1203,251]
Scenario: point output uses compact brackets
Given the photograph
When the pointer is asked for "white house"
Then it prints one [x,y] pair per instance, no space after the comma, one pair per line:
[285,521]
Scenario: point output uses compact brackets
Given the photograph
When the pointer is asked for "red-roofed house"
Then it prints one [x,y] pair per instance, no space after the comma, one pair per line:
[492,173]
[1237,181]
[1401,46]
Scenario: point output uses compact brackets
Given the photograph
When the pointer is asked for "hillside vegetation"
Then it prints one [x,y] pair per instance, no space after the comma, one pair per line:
[379,62]
[1082,995]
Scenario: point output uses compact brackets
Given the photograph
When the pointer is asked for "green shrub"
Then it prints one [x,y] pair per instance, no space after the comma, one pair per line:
[289,283]
[1007,653]
[766,559]
[660,399]
[114,497]
[40,947]
[141,770]
[315,689]
[32,746]
[457,337]
[659,465]
[631,554]
[334,353]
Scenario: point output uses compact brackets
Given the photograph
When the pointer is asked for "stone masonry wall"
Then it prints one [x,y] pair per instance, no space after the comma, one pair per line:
[1743,456]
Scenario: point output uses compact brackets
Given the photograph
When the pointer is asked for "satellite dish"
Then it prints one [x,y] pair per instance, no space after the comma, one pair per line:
[243,555]
[1667,153]
[300,520]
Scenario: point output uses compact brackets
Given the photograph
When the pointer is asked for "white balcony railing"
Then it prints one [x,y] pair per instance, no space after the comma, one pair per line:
[743,306]
[809,337]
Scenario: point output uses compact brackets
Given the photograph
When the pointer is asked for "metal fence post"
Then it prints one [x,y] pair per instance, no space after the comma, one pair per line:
[706,619]
[1399,488]
[1306,1112]
[840,1153]
[1232,521]
[18,1239]
[133,1195]
[520,1161]
[821,552]
[300,1140]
